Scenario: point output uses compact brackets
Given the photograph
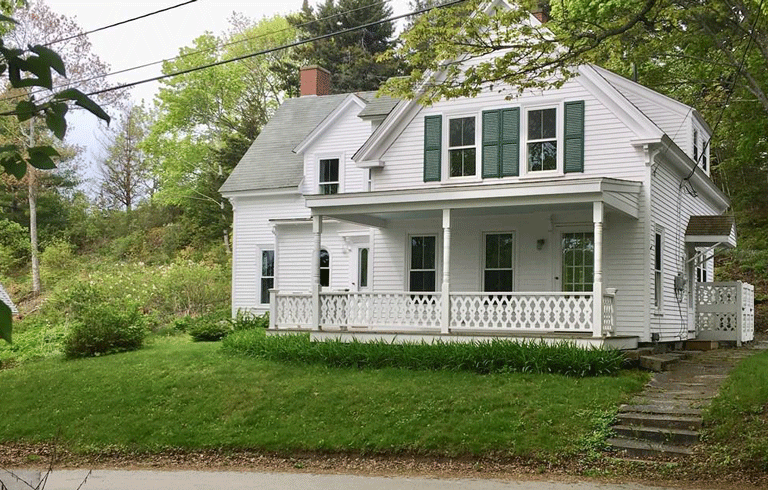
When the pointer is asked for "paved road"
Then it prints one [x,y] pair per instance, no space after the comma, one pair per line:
[204,480]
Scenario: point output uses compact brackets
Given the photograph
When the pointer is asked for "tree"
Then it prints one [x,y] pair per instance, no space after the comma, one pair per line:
[31,67]
[125,176]
[38,25]
[206,120]
[352,57]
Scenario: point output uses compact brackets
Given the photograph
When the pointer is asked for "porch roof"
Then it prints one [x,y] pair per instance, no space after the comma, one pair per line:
[377,207]
[711,230]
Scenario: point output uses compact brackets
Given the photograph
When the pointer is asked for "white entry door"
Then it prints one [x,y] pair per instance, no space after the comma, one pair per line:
[360,267]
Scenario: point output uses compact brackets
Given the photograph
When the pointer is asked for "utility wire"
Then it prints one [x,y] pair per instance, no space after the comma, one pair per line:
[120,23]
[278,48]
[192,53]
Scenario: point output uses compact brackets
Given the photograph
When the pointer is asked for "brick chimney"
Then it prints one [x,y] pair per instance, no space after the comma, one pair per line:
[315,80]
[542,12]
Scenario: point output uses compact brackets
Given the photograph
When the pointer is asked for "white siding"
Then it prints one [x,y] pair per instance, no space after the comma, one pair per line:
[607,151]
[671,207]
[340,140]
[252,233]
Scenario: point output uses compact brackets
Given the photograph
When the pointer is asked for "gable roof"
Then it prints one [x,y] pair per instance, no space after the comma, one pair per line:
[5,298]
[291,123]
[378,106]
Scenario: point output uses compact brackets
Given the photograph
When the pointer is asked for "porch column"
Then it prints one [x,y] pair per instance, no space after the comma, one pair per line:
[445,305]
[597,285]
[317,231]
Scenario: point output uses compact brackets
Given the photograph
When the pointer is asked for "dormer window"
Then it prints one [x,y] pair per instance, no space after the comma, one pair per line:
[461,147]
[542,140]
[329,176]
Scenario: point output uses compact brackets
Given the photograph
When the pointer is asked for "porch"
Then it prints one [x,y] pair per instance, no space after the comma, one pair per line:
[475,261]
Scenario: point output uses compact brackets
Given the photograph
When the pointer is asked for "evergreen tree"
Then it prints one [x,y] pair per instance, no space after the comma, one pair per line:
[352,57]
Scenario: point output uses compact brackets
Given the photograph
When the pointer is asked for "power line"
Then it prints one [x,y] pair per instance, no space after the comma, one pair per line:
[192,53]
[278,48]
[120,23]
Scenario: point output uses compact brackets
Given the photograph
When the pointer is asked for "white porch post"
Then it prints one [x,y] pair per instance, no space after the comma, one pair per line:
[597,286]
[445,306]
[317,230]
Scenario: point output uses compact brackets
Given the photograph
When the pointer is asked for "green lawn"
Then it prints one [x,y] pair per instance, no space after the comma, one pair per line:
[177,394]
[737,420]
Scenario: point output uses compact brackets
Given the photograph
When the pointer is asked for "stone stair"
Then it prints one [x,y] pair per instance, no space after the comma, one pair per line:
[665,419]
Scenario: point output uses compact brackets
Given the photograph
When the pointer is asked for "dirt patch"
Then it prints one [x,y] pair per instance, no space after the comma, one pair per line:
[663,472]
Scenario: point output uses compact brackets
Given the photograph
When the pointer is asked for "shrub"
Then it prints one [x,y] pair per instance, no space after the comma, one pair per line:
[57,261]
[245,320]
[101,324]
[210,331]
[14,245]
[492,356]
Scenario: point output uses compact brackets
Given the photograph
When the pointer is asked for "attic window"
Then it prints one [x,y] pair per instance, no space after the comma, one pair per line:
[695,145]
[329,176]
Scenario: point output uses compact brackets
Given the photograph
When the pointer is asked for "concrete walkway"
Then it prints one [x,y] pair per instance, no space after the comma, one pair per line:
[204,480]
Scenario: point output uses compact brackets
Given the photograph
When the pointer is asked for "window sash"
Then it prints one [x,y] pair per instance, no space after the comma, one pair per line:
[422,273]
[462,146]
[329,176]
[542,139]
[362,267]
[657,269]
[498,273]
[325,268]
[578,261]
[267,274]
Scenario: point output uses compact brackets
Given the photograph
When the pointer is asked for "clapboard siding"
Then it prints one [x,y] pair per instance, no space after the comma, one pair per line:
[607,151]
[341,140]
[671,208]
[252,232]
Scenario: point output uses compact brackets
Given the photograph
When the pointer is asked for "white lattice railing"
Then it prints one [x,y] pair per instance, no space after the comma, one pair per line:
[609,311]
[560,312]
[380,310]
[725,311]
[291,310]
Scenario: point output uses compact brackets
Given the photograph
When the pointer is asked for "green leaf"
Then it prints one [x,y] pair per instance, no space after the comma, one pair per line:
[51,58]
[14,165]
[6,322]
[40,157]
[83,101]
[55,120]
[25,110]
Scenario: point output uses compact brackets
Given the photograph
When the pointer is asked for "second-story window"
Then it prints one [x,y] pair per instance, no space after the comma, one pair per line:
[542,140]
[461,146]
[329,176]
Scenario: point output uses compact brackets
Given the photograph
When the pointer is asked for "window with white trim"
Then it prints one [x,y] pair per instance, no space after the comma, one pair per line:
[329,176]
[658,278]
[267,274]
[541,147]
[325,268]
[422,273]
[362,267]
[498,273]
[462,150]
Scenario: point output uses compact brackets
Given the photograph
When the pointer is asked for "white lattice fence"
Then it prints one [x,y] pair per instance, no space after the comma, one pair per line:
[293,310]
[566,312]
[609,313]
[725,311]
[383,310]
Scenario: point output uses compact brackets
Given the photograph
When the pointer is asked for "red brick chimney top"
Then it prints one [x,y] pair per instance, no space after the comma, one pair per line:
[315,80]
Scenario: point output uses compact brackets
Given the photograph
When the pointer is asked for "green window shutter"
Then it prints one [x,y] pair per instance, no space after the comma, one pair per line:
[491,143]
[433,136]
[574,136]
[510,142]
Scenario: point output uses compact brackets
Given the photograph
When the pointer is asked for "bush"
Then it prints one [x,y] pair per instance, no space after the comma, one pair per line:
[102,324]
[209,331]
[245,320]
[494,356]
[14,245]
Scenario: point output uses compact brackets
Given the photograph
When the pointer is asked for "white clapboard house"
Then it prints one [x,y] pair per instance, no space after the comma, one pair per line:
[573,213]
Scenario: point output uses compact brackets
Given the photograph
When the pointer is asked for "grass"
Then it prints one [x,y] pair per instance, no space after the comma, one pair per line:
[737,419]
[178,394]
[492,356]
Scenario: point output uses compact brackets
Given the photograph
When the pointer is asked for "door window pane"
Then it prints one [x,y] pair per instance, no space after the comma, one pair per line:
[325,268]
[267,274]
[362,266]
[578,252]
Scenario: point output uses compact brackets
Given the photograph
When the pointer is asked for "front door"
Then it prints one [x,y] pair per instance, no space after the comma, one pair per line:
[577,260]
[360,270]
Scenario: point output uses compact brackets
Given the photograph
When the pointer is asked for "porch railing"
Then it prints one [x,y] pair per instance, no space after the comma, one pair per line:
[725,311]
[567,312]
[551,312]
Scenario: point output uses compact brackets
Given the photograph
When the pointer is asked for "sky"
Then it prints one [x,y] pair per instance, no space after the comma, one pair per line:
[154,38]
